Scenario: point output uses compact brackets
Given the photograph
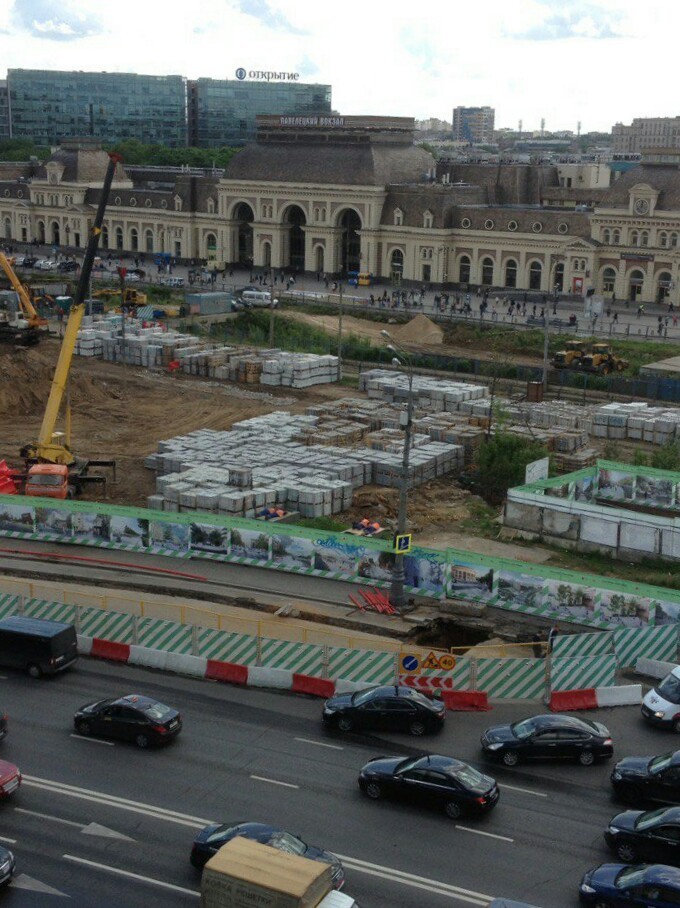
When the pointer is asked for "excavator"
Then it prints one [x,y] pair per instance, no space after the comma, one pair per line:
[53,470]
[21,328]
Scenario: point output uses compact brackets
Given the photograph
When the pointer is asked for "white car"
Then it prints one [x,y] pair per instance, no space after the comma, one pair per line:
[131,277]
[172,281]
[661,706]
[45,265]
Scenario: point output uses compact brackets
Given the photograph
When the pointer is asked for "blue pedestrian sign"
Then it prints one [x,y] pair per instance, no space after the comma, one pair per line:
[402,544]
[410,664]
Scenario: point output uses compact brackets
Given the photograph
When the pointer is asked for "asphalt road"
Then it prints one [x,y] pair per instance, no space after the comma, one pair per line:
[106,825]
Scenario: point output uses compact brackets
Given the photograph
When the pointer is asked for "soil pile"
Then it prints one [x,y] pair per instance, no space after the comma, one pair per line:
[420,330]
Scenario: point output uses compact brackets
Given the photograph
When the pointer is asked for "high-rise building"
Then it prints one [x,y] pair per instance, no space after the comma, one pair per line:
[48,106]
[473,124]
[646,132]
[223,111]
[4,111]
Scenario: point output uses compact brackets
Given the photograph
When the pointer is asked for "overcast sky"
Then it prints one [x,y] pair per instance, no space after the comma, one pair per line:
[598,62]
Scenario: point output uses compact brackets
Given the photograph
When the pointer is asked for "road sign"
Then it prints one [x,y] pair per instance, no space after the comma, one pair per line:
[447,663]
[410,663]
[402,544]
[431,662]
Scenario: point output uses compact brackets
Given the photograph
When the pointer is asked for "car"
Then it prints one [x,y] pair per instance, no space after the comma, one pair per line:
[7,865]
[639,835]
[393,708]
[139,272]
[66,267]
[133,717]
[28,261]
[548,737]
[210,839]
[131,277]
[639,886]
[643,779]
[661,705]
[45,265]
[432,780]
[10,779]
[172,281]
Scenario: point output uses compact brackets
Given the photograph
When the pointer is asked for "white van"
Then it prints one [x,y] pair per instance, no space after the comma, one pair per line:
[661,706]
[258,298]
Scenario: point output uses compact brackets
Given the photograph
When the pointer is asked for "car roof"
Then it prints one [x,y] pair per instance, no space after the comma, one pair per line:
[549,721]
[675,758]
[257,829]
[393,690]
[136,701]
[662,873]
[439,761]
[670,815]
[33,625]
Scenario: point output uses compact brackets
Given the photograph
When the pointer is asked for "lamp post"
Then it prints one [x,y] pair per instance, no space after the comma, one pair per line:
[397,597]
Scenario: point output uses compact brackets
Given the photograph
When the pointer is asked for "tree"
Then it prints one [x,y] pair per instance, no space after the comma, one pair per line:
[502,463]
[667,457]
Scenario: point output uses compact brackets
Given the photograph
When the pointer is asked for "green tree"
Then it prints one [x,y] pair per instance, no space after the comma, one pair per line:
[137,153]
[502,463]
[667,457]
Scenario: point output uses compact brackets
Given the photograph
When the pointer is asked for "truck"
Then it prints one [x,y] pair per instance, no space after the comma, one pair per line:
[244,873]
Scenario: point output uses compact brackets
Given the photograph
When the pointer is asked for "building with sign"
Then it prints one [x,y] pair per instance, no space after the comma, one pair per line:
[326,193]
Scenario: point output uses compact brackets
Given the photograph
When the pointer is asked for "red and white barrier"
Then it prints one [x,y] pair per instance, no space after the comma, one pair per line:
[595,697]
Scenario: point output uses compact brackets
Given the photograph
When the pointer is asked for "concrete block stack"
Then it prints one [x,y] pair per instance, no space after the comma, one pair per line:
[637,421]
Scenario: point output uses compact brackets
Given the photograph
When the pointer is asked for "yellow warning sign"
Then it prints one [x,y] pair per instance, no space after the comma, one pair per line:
[447,663]
[431,661]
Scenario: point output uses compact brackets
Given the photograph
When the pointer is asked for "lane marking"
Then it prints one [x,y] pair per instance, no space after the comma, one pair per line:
[416,882]
[93,740]
[490,835]
[274,782]
[528,791]
[131,876]
[9,841]
[47,816]
[320,743]
[3,677]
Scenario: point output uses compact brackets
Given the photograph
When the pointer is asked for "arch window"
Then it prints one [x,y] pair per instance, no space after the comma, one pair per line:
[426,252]
[635,238]
[8,229]
[559,277]
[397,265]
[663,285]
[178,203]
[464,269]
[535,275]
[119,237]
[511,273]
[673,240]
[487,271]
[134,239]
[211,205]
[428,219]
[616,236]
[267,254]
[608,280]
[148,240]
[105,238]
[606,236]
[644,237]
[663,239]
[398,217]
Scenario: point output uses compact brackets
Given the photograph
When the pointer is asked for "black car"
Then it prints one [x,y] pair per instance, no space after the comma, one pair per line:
[432,781]
[616,885]
[642,779]
[3,725]
[547,738]
[131,718]
[391,708]
[29,261]
[209,841]
[7,865]
[638,835]
[66,267]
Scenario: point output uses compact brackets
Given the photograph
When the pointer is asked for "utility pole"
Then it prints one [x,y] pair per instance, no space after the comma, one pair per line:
[545,350]
[271,318]
[340,334]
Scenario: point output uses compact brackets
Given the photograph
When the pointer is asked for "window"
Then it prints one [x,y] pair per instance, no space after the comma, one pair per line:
[397,265]
[133,202]
[211,205]
[427,273]
[426,252]
[644,238]
[464,270]
[178,203]
[663,239]
[487,271]
[535,274]
[398,217]
[537,227]
[608,280]
[134,239]
[428,219]
[635,238]
[616,237]
[119,237]
[148,240]
[563,228]
[512,225]
[673,240]
[606,236]
[147,203]
[466,223]
[488,224]
[511,273]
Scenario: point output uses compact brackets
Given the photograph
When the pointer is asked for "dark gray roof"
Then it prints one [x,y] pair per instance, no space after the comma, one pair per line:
[84,165]
[366,164]
[441,200]
[664,178]
[577,222]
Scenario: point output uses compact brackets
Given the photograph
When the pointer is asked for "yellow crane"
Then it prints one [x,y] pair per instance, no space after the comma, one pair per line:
[28,309]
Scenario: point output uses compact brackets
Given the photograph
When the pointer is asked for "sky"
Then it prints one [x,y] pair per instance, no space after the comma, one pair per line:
[594,61]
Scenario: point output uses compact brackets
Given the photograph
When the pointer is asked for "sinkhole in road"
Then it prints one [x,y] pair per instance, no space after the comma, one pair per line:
[444,633]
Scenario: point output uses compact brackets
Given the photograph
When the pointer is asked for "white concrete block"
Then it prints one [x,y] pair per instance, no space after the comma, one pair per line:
[279,678]
[622,695]
[653,668]
[84,645]
[151,658]
[186,665]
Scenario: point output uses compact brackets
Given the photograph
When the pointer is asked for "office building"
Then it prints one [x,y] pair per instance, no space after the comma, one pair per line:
[4,111]
[473,124]
[223,111]
[645,133]
[48,106]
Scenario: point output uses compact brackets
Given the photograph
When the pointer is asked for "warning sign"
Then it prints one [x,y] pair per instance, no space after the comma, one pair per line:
[410,664]
[447,663]
[431,661]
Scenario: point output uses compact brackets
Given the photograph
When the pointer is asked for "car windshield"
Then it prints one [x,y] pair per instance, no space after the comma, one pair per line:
[523,729]
[156,710]
[670,689]
[220,833]
[649,818]
[284,841]
[631,876]
[658,764]
[46,479]
[468,777]
[362,697]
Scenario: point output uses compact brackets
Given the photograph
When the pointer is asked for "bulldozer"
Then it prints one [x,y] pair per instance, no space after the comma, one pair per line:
[572,355]
[603,360]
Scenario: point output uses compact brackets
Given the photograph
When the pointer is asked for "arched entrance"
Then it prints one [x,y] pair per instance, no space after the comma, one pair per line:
[244,217]
[663,285]
[41,232]
[296,220]
[350,241]
[558,282]
[464,269]
[608,280]
[119,237]
[397,266]
[148,241]
[134,239]
[8,229]
[54,233]
[535,275]
[487,272]
[511,273]
[319,259]
[211,247]
[267,255]
[635,282]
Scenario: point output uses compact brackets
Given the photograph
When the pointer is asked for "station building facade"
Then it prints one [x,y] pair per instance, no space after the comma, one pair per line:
[331,194]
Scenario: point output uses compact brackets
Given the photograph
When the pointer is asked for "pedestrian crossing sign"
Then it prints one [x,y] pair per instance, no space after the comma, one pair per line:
[402,543]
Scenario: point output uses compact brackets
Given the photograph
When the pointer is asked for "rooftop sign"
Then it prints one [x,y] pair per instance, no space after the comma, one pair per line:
[266,75]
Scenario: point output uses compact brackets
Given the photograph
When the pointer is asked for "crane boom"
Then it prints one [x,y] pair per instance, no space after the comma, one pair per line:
[27,307]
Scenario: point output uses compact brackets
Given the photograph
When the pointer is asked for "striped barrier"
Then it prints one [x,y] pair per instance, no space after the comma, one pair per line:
[596,698]
[520,679]
[581,672]
[583,644]
[659,643]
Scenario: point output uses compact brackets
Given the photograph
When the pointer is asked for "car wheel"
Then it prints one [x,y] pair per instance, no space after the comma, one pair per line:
[626,853]
[417,729]
[510,758]
[373,791]
[586,758]
[142,741]
[676,726]
[83,728]
[345,723]
[453,810]
[34,670]
[601,904]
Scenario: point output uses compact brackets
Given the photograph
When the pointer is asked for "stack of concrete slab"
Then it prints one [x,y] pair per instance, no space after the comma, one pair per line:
[637,421]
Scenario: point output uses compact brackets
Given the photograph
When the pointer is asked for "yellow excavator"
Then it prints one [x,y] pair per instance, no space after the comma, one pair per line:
[21,327]
[53,469]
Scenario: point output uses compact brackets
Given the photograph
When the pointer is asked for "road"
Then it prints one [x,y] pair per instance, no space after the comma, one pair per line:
[99,825]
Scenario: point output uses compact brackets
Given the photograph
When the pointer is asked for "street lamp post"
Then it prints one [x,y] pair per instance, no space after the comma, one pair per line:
[397,596]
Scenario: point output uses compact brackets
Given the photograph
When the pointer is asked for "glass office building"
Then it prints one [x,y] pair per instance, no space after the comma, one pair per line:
[4,111]
[223,111]
[48,106]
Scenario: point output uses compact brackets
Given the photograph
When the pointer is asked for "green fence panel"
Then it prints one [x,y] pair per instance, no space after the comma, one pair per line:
[360,665]
[155,633]
[648,642]
[302,658]
[520,679]
[9,605]
[50,611]
[581,672]
[115,626]
[227,647]
[462,674]
[584,644]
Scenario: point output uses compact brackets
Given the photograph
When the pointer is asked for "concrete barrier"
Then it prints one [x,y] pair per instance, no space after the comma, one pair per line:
[317,687]
[279,678]
[84,645]
[623,695]
[349,687]
[653,668]
[106,649]
[228,672]
[150,658]
[465,700]
[186,665]
[566,700]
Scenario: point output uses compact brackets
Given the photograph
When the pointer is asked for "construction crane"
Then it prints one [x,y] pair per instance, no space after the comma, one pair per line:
[21,328]
[53,448]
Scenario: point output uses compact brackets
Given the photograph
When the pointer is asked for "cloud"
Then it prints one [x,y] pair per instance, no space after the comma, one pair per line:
[307,67]
[570,25]
[271,18]
[55,20]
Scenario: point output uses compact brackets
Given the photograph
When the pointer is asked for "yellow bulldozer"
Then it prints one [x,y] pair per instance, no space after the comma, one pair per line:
[603,360]
[571,356]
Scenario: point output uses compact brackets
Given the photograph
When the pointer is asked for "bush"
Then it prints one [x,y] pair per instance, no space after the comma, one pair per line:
[502,463]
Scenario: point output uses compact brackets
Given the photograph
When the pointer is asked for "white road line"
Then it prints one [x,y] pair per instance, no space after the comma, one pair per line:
[130,875]
[274,782]
[47,816]
[528,791]
[3,677]
[93,740]
[490,835]
[417,882]
[9,841]
[320,744]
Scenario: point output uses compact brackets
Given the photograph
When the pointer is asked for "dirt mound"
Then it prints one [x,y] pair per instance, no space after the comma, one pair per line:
[420,330]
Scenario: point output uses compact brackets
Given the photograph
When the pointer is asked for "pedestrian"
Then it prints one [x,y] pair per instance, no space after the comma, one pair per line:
[616,317]
[613,297]
[608,310]
[552,636]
